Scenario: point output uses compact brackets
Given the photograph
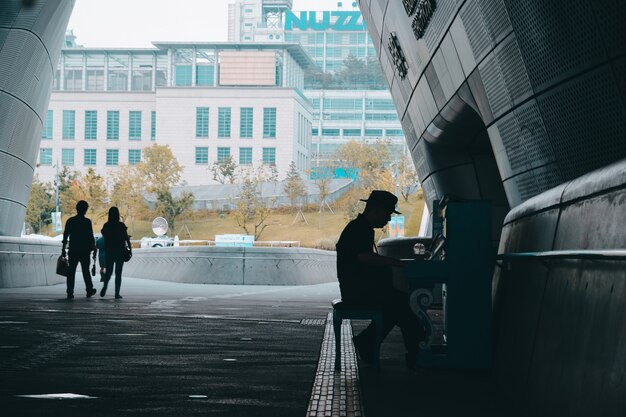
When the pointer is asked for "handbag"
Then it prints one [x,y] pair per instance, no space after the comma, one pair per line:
[63,266]
[126,255]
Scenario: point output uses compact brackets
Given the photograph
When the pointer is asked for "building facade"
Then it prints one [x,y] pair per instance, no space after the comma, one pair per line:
[206,101]
[349,96]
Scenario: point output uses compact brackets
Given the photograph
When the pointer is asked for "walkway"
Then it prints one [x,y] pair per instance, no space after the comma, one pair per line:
[184,349]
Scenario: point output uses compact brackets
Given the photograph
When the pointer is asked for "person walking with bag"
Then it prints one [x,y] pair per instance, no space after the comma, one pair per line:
[79,232]
[117,246]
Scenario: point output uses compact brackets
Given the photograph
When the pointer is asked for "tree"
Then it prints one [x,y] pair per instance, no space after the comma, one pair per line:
[369,163]
[171,207]
[89,187]
[127,193]
[159,168]
[407,177]
[294,186]
[40,205]
[251,211]
[224,170]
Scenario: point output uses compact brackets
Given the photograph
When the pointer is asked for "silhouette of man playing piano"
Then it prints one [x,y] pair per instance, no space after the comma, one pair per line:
[365,278]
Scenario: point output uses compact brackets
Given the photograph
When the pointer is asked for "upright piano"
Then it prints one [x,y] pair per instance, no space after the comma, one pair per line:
[459,264]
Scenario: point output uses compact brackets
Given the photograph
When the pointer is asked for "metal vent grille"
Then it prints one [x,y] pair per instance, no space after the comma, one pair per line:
[477,33]
[435,31]
[556,38]
[586,121]
[513,71]
[496,18]
[494,86]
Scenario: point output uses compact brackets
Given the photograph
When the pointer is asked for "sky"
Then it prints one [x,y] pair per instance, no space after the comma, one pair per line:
[138,23]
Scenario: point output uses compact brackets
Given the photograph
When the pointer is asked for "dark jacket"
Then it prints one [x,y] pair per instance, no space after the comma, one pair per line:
[115,236]
[79,231]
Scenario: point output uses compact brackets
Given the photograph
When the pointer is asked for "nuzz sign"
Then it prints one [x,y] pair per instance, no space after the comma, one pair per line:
[337,20]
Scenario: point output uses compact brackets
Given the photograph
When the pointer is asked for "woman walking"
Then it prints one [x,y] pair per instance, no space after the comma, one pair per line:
[115,240]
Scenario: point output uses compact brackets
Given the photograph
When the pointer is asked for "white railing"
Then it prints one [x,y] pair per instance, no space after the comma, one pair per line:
[260,243]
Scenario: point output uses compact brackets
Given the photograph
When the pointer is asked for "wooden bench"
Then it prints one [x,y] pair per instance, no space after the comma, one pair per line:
[343,311]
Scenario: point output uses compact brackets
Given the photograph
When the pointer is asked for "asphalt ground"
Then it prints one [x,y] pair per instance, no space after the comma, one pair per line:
[165,349]
[170,349]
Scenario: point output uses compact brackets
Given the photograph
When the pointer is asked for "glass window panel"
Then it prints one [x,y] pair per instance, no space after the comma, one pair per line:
[352,132]
[202,155]
[91,124]
[69,118]
[246,122]
[46,133]
[245,156]
[118,72]
[222,154]
[134,156]
[269,122]
[202,122]
[373,132]
[269,156]
[142,72]
[330,132]
[153,126]
[90,157]
[113,157]
[45,156]
[113,125]
[223,122]
[67,156]
[394,132]
[204,75]
[134,125]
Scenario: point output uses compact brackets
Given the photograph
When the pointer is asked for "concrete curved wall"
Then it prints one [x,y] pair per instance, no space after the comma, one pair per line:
[28,262]
[30,43]
[233,265]
[561,333]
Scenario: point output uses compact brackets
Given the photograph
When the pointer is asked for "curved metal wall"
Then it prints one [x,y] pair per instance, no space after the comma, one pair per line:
[547,81]
[31,37]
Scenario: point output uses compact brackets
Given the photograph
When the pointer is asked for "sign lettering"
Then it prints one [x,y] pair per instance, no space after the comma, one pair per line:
[336,20]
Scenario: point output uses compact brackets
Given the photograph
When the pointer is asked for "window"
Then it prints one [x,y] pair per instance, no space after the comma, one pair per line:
[183,75]
[314,132]
[134,125]
[204,75]
[89,157]
[69,117]
[269,156]
[134,156]
[153,126]
[222,154]
[113,157]
[269,122]
[394,132]
[91,125]
[67,156]
[46,133]
[373,132]
[202,122]
[113,125]
[245,156]
[330,132]
[202,156]
[223,122]
[45,156]
[245,122]
[352,132]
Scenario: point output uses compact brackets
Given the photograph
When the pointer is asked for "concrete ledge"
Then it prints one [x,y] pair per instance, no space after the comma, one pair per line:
[234,265]
[28,262]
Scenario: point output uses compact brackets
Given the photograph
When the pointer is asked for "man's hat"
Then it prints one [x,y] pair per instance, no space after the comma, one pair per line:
[383,199]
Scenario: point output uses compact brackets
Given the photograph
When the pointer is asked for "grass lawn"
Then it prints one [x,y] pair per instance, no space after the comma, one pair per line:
[321,231]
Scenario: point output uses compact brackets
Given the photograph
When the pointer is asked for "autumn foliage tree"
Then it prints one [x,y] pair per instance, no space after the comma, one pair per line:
[40,205]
